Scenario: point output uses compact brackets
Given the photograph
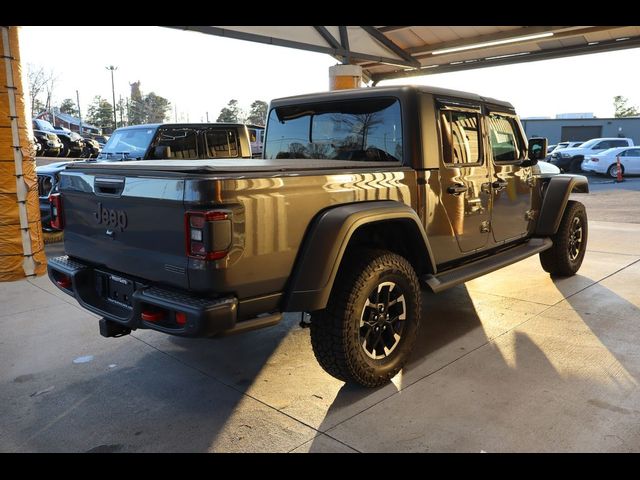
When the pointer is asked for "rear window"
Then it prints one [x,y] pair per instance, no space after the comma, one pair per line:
[360,130]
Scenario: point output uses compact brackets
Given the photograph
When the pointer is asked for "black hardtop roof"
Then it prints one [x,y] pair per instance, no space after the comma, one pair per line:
[193,125]
[401,90]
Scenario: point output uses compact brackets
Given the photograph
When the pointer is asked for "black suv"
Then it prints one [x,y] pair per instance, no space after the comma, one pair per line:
[72,143]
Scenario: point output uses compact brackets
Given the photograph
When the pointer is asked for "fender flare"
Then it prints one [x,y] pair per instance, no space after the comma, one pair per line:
[555,201]
[325,242]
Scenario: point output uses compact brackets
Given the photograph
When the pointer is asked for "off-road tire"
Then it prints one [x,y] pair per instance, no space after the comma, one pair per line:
[562,259]
[65,150]
[336,332]
[576,165]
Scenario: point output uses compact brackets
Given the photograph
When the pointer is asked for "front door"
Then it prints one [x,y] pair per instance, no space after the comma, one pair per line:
[511,184]
[464,177]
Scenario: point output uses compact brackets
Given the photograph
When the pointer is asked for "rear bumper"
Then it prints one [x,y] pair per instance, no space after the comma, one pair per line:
[205,317]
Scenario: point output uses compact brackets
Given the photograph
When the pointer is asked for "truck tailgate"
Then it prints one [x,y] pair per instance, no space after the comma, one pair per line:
[132,224]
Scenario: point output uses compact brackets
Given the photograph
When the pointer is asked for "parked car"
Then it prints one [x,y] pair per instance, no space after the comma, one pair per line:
[37,148]
[50,143]
[190,141]
[101,139]
[570,159]
[185,141]
[72,143]
[91,148]
[606,162]
[563,145]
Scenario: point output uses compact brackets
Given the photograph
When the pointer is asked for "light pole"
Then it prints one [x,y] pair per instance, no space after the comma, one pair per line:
[113,92]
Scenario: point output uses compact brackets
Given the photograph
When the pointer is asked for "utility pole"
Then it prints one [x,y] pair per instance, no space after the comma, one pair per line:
[120,108]
[113,92]
[175,112]
[207,117]
[79,112]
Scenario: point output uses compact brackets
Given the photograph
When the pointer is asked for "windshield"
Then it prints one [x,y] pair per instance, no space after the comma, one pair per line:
[129,143]
[364,130]
[43,124]
[590,143]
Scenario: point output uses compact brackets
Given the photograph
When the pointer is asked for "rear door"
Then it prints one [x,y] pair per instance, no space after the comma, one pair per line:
[464,175]
[631,160]
[132,224]
[510,183]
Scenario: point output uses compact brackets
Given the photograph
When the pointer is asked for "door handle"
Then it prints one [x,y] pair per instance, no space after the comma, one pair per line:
[499,185]
[457,189]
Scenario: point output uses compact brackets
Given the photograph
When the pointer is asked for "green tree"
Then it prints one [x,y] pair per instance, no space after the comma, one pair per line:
[231,113]
[258,112]
[622,109]
[150,108]
[156,108]
[68,106]
[136,105]
[100,113]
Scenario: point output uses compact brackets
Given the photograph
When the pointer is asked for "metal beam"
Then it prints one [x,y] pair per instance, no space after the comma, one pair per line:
[392,29]
[390,45]
[330,39]
[252,37]
[344,40]
[604,46]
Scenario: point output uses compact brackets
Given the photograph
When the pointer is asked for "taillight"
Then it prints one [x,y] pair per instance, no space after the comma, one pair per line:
[208,234]
[55,203]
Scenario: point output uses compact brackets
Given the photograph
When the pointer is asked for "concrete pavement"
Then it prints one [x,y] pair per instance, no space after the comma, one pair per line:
[513,361]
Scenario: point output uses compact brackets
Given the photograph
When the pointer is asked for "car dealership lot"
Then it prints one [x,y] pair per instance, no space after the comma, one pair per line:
[513,361]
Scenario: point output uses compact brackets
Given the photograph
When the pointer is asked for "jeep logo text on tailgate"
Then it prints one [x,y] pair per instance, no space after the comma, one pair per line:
[111,218]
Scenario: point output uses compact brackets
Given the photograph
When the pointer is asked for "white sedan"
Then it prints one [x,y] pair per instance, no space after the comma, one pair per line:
[605,161]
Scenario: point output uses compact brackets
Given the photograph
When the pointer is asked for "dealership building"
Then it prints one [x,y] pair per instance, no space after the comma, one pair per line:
[575,129]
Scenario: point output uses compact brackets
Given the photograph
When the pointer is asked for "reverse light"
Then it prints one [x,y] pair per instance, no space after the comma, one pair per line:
[208,234]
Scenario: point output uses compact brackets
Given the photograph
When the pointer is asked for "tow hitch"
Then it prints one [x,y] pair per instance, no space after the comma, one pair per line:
[109,328]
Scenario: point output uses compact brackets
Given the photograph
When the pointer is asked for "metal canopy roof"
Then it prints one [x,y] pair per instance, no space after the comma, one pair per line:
[386,52]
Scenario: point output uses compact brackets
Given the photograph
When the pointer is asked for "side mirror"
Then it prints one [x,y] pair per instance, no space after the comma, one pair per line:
[162,152]
[537,151]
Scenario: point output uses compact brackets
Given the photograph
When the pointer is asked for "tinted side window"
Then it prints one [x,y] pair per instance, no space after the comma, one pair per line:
[618,143]
[600,145]
[222,144]
[633,152]
[460,139]
[363,130]
[182,142]
[503,138]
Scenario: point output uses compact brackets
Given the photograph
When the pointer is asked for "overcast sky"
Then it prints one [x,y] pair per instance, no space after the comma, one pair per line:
[201,73]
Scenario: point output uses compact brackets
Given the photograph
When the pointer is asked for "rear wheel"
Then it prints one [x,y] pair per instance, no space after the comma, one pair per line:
[612,171]
[368,329]
[569,243]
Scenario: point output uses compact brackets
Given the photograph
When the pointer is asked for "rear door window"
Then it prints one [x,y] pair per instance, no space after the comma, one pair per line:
[460,137]
[222,143]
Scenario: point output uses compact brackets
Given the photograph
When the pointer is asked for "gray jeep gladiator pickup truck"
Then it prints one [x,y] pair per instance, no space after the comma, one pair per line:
[363,199]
